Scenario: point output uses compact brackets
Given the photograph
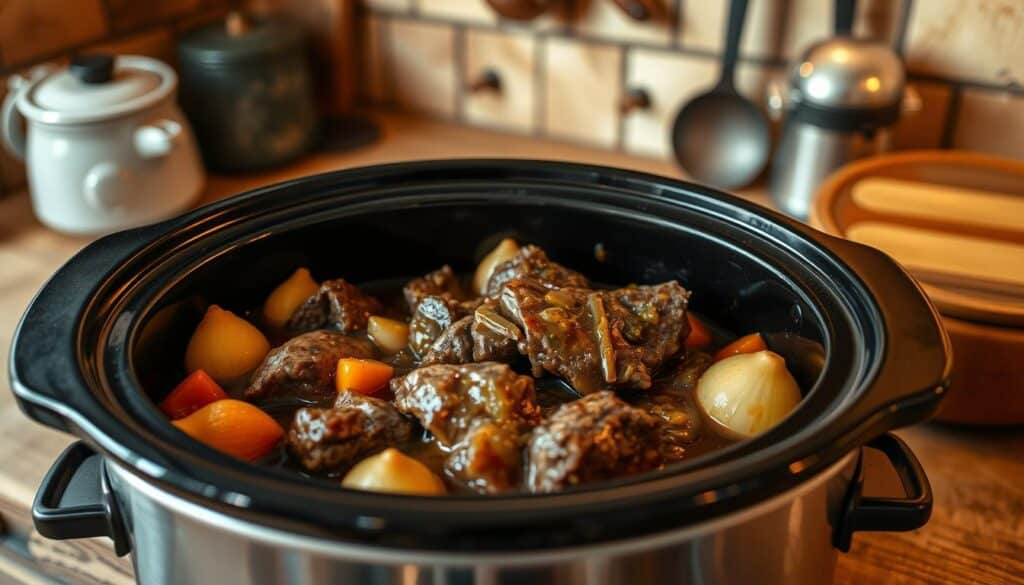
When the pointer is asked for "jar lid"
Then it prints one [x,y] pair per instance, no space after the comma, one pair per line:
[846,73]
[238,38]
[951,218]
[96,87]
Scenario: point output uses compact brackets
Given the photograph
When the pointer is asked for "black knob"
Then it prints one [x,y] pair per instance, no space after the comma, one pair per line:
[93,68]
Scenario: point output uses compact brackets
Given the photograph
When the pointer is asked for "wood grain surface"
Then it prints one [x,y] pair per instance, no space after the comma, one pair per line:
[976,534]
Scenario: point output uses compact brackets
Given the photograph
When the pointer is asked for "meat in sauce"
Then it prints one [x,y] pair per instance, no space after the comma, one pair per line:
[596,437]
[333,439]
[598,339]
[477,412]
[337,305]
[613,390]
[302,370]
[530,262]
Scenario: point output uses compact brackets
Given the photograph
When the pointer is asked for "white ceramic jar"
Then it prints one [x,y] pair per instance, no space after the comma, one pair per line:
[105,144]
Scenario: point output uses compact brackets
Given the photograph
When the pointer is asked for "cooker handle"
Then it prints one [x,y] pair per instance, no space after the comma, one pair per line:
[885,514]
[75,500]
[45,375]
[913,374]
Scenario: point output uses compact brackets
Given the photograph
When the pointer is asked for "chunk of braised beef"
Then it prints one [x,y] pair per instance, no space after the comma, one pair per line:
[440,283]
[478,412]
[594,438]
[448,398]
[330,440]
[672,400]
[530,262]
[337,305]
[489,457]
[484,336]
[596,340]
[433,315]
[302,370]
[453,346]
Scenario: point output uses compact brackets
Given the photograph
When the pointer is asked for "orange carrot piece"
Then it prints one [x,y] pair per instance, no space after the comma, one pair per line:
[193,393]
[361,375]
[699,335]
[233,427]
[746,344]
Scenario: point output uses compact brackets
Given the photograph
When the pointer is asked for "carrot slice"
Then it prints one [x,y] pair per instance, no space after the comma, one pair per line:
[193,393]
[746,344]
[361,375]
[233,427]
[700,335]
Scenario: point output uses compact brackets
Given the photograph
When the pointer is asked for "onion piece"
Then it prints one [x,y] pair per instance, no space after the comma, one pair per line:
[604,337]
[389,335]
[500,326]
[748,393]
[392,471]
[504,251]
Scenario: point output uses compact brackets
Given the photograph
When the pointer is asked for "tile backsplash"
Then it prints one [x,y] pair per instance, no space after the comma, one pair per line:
[564,74]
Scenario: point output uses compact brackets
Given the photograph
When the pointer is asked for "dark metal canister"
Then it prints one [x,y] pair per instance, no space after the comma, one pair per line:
[247,89]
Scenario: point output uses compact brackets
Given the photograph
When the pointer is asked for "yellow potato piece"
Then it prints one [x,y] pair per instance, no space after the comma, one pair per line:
[392,471]
[503,252]
[287,297]
[225,346]
[390,335]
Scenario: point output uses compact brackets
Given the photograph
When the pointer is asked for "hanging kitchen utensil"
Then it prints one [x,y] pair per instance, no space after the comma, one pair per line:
[247,88]
[720,137]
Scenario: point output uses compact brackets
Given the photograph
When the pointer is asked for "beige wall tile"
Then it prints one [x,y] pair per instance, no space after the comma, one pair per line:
[992,122]
[376,71]
[602,18]
[671,80]
[30,29]
[771,29]
[581,91]
[967,39]
[511,56]
[422,58]
[388,4]
[466,10]
[157,44]
[923,129]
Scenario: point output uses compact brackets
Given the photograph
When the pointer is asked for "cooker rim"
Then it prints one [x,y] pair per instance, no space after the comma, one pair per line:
[913,405]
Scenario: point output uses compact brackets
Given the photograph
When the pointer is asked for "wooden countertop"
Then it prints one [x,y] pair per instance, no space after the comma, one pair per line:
[976,534]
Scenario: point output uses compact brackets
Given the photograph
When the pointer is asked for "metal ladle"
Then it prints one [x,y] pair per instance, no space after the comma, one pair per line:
[720,137]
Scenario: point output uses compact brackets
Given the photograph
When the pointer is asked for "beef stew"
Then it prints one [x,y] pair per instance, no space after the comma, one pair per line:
[525,376]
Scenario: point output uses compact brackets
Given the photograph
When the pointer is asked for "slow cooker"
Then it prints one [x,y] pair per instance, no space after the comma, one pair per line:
[854,327]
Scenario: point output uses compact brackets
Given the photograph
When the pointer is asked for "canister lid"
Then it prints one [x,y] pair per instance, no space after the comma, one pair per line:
[238,38]
[955,220]
[93,82]
[846,73]
[96,87]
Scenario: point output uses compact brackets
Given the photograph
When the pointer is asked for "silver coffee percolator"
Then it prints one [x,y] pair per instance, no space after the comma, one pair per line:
[844,95]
